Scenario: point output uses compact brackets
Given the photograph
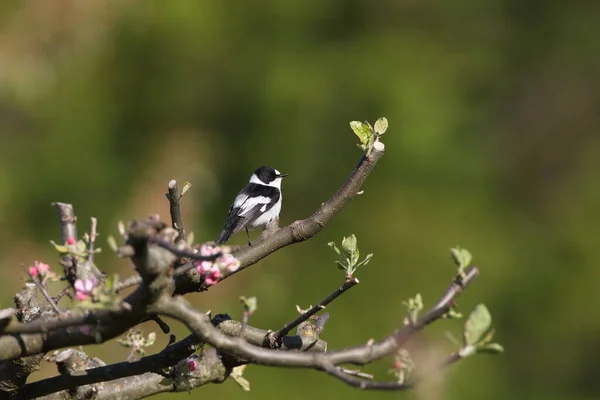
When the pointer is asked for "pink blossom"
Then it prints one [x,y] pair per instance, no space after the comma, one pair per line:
[83,288]
[228,262]
[71,240]
[38,268]
[213,276]
[192,364]
[208,250]
[81,296]
[203,266]
[42,267]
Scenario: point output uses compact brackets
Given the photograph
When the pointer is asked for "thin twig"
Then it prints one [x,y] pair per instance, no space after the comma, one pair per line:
[164,327]
[183,269]
[245,316]
[313,310]
[93,224]
[348,378]
[174,198]
[129,282]
[355,381]
[185,253]
[65,291]
[358,373]
[68,227]
[44,291]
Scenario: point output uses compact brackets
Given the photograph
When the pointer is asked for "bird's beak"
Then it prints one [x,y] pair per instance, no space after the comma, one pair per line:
[283,175]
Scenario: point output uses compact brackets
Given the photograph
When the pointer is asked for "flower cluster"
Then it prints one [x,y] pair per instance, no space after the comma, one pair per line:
[213,271]
[84,288]
[38,268]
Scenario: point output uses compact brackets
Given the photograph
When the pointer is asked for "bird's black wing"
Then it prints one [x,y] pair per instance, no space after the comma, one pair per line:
[251,201]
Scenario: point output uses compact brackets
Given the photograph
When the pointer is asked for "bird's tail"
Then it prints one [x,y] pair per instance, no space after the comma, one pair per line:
[223,236]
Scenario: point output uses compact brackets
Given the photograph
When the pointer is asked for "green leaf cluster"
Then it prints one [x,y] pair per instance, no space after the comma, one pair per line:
[349,255]
[367,134]
[414,306]
[478,333]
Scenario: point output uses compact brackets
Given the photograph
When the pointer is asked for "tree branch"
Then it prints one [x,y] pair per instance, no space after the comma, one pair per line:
[300,231]
[68,221]
[297,231]
[313,310]
[174,198]
[198,323]
[93,234]
[170,356]
[128,282]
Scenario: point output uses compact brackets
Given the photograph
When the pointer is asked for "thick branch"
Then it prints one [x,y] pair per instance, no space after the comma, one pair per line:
[211,369]
[196,321]
[171,355]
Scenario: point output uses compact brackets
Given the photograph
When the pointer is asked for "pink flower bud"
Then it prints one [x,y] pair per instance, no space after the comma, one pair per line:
[88,285]
[42,267]
[33,271]
[213,276]
[228,262]
[71,240]
[192,365]
[208,250]
[203,266]
[83,288]
[79,285]
[81,296]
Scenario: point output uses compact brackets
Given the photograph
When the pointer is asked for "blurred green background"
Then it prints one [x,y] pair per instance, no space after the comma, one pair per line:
[493,145]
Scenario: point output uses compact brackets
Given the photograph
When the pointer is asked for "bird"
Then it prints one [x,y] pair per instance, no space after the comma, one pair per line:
[256,205]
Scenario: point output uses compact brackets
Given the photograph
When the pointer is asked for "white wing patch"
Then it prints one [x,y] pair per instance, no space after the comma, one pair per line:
[239,200]
[251,202]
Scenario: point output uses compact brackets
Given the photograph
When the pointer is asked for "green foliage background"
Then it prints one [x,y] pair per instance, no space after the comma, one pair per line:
[493,144]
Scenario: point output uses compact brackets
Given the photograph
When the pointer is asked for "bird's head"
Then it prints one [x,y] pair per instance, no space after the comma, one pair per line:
[268,176]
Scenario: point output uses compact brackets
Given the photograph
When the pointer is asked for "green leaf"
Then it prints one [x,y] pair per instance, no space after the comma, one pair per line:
[349,248]
[186,187]
[112,243]
[110,284]
[190,239]
[250,304]
[491,348]
[381,126]
[461,257]
[365,261]
[121,228]
[237,374]
[477,325]
[414,306]
[151,339]
[334,247]
[452,339]
[166,382]
[61,249]
[362,130]
[184,369]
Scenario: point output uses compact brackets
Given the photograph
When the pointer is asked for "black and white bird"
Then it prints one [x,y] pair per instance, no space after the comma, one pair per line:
[256,205]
